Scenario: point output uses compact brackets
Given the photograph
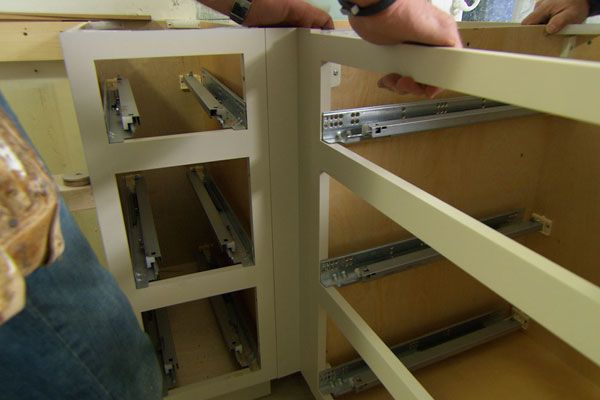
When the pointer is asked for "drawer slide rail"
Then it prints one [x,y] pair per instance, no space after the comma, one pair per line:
[143,240]
[120,111]
[400,256]
[233,239]
[218,100]
[353,125]
[355,376]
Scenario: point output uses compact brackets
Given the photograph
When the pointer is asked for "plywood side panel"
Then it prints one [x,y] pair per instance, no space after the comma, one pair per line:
[522,39]
[164,108]
[569,195]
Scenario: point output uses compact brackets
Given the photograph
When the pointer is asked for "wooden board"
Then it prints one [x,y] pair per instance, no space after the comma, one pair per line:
[32,41]
[568,194]
[164,108]
[514,367]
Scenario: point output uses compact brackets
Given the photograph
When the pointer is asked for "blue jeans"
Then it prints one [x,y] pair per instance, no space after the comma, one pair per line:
[77,338]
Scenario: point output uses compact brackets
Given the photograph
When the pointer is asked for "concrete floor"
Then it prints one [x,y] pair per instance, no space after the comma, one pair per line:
[291,387]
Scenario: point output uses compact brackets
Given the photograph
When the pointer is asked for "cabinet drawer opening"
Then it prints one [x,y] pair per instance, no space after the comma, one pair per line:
[187,219]
[204,339]
[162,96]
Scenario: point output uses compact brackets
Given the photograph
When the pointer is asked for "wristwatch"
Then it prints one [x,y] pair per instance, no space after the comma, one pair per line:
[240,10]
[351,8]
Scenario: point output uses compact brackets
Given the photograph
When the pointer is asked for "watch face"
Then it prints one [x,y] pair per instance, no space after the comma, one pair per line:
[239,11]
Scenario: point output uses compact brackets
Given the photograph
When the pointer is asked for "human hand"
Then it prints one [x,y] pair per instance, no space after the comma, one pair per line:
[408,21]
[298,13]
[557,14]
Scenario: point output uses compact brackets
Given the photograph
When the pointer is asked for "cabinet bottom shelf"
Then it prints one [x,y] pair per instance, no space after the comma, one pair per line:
[201,353]
[514,367]
[204,339]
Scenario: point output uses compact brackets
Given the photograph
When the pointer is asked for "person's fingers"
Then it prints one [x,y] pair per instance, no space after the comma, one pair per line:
[539,15]
[408,85]
[564,18]
[404,85]
[432,91]
[322,22]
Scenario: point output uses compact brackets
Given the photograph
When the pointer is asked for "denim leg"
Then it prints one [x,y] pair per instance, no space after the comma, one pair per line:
[77,337]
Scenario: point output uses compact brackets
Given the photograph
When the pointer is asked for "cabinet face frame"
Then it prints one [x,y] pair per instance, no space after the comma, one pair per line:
[81,49]
[516,79]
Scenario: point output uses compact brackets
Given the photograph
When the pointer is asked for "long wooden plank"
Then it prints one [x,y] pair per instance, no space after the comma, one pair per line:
[71,17]
[513,78]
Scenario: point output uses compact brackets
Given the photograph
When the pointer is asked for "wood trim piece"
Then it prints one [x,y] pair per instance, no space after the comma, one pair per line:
[512,78]
[71,17]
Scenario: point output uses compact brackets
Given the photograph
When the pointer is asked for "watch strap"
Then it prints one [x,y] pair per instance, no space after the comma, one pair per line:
[351,8]
[594,7]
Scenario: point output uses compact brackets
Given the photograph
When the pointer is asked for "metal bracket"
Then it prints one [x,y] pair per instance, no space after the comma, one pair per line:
[235,330]
[120,111]
[218,100]
[399,256]
[356,376]
[335,74]
[353,125]
[232,238]
[546,223]
[141,231]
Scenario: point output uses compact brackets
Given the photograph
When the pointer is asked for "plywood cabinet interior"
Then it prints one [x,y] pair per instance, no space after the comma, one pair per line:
[542,164]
